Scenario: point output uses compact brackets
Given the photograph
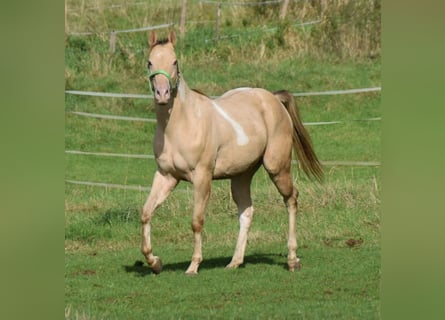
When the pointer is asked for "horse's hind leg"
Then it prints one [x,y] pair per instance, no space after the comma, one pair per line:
[292,204]
[283,181]
[240,187]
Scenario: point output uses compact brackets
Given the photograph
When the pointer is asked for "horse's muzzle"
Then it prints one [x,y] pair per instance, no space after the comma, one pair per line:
[162,95]
[161,89]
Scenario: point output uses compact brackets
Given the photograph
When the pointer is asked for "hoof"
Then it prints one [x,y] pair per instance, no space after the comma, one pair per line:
[192,270]
[233,265]
[294,265]
[156,266]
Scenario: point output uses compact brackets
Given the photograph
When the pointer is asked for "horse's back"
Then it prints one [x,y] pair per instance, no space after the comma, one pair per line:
[249,120]
[246,110]
[256,104]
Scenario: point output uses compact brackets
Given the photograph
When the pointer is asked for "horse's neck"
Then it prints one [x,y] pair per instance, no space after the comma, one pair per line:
[175,108]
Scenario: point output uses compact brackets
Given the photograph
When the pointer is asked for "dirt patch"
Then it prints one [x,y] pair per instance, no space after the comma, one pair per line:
[352,243]
[84,273]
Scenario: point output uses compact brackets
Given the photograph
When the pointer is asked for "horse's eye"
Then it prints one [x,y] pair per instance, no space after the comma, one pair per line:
[149,64]
[175,63]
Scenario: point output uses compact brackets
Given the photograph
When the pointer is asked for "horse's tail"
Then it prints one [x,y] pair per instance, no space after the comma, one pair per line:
[300,138]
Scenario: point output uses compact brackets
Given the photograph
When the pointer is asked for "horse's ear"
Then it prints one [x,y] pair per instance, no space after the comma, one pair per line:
[172,37]
[152,39]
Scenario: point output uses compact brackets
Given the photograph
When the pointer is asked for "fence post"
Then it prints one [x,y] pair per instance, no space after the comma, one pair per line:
[283,11]
[218,16]
[112,42]
[324,5]
[183,17]
[66,19]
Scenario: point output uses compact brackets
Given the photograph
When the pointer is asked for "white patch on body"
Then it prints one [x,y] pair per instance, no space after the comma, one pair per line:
[241,137]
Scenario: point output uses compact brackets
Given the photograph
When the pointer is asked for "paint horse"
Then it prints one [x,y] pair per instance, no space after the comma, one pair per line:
[198,139]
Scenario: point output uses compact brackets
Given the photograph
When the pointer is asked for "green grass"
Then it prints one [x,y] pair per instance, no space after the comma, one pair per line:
[338,225]
[104,278]
[263,289]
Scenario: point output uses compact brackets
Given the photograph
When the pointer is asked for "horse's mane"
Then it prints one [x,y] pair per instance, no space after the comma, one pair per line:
[159,42]
[200,92]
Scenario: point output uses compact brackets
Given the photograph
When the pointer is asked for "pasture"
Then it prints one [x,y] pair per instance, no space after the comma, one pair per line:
[338,222]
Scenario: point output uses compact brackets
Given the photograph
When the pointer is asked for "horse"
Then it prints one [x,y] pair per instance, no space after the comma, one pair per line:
[198,139]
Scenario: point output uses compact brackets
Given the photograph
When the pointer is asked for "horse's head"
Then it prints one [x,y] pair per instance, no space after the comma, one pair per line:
[163,67]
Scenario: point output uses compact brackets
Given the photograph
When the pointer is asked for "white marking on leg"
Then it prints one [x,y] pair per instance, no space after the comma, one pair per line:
[241,137]
[245,219]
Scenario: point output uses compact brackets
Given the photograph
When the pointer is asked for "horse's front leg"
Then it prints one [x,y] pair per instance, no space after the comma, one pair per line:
[161,188]
[202,184]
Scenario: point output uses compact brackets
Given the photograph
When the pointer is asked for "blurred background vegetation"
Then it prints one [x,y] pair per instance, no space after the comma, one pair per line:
[318,30]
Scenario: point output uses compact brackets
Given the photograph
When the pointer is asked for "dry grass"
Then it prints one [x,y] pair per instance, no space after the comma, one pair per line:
[342,207]
[346,29]
[77,315]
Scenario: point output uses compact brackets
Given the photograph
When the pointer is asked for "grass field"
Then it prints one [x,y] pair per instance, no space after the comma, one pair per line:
[338,226]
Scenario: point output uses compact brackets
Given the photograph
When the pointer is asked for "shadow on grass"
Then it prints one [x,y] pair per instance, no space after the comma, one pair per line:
[141,269]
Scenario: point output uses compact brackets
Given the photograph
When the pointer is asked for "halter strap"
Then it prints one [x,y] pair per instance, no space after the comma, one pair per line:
[164,73]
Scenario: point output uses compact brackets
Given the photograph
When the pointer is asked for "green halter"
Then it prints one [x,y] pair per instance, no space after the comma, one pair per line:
[164,73]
